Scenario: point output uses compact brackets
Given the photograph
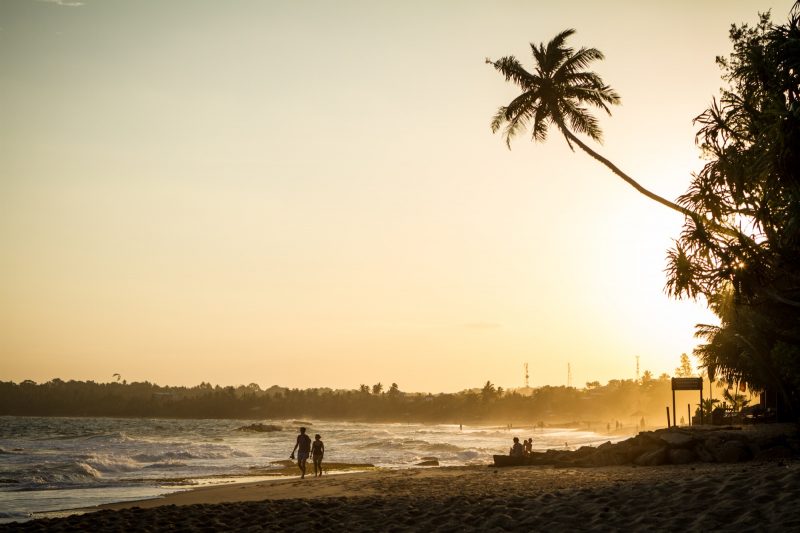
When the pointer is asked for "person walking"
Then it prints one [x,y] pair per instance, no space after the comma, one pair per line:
[317,451]
[303,448]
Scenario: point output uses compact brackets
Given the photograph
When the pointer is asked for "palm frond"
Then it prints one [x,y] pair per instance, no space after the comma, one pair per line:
[578,61]
[581,120]
[556,52]
[499,119]
[541,121]
[513,70]
[558,91]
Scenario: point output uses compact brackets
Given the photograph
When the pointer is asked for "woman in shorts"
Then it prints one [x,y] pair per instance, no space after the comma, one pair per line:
[317,451]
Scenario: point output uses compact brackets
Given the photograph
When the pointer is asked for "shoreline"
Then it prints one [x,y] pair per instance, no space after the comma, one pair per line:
[701,496]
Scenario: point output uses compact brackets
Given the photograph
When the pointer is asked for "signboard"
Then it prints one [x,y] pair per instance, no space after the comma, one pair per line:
[687,384]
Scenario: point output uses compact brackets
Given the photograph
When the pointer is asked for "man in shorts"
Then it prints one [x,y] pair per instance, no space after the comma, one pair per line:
[303,448]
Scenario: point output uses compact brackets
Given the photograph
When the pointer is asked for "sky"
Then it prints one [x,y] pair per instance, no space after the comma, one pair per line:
[308,193]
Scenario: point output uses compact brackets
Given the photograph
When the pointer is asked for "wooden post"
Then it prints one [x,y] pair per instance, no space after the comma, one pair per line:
[689,413]
[701,406]
[674,411]
[668,414]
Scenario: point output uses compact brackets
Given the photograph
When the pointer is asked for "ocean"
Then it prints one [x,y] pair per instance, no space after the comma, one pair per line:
[51,466]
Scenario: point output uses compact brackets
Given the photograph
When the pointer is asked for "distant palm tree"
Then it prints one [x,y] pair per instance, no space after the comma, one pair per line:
[489,391]
[558,93]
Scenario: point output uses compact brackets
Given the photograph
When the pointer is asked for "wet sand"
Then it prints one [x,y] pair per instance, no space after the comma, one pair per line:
[735,497]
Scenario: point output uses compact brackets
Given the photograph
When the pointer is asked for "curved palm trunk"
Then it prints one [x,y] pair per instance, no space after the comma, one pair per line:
[633,183]
[730,232]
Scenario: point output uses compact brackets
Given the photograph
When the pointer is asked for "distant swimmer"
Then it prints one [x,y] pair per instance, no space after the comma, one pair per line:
[317,451]
[303,448]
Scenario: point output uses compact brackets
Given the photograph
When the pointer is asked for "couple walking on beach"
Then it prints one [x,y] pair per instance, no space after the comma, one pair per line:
[304,447]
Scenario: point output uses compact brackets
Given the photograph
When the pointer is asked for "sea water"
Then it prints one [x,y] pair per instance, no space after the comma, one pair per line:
[49,466]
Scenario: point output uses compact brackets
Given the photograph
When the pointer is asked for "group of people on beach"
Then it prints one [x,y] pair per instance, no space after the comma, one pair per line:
[521,449]
[305,448]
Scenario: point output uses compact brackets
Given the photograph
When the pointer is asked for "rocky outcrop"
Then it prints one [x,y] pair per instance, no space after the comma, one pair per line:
[682,446]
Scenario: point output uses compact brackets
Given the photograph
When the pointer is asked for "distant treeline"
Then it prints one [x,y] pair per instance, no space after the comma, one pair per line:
[624,400]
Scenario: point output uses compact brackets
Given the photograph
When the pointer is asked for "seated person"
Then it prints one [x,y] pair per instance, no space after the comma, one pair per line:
[528,446]
[516,450]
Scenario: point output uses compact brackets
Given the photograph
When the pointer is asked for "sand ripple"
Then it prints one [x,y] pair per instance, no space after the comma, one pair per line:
[752,496]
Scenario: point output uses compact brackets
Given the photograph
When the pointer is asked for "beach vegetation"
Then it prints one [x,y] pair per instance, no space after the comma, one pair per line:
[739,249]
[616,400]
[489,392]
[684,370]
[750,136]
[707,405]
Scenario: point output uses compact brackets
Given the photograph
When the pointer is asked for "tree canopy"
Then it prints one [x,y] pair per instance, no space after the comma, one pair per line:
[740,245]
[750,136]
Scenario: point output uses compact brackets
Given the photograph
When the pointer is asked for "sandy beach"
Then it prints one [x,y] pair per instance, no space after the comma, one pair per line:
[746,496]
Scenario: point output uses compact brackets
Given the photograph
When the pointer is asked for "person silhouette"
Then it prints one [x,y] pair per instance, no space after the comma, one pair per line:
[303,447]
[516,450]
[317,451]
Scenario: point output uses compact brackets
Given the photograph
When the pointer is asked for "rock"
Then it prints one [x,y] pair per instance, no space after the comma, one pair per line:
[433,462]
[680,446]
[703,454]
[604,458]
[681,456]
[732,451]
[653,458]
[584,451]
[676,438]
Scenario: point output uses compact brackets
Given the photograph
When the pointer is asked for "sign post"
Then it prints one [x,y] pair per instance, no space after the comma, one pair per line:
[687,384]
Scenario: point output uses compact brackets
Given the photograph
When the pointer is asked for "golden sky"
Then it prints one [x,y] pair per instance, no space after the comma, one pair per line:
[308,193]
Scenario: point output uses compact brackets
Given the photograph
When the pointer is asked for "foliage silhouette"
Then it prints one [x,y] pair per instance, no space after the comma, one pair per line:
[614,401]
[751,137]
[558,92]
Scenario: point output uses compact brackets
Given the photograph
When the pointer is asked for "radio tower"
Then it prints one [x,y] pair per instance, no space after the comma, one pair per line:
[526,375]
[637,369]
[569,375]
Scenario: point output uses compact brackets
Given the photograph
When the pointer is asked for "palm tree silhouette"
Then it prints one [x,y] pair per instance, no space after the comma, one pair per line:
[558,93]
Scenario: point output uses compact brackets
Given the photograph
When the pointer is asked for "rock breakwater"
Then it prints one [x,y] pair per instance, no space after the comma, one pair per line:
[682,445]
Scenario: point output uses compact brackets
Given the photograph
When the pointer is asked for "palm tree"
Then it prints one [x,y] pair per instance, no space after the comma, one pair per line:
[489,391]
[558,93]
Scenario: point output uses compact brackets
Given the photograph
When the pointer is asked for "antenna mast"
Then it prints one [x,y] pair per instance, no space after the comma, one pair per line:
[526,375]
[569,375]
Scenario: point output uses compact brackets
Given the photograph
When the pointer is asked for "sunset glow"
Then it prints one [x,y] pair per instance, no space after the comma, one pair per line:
[308,193]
